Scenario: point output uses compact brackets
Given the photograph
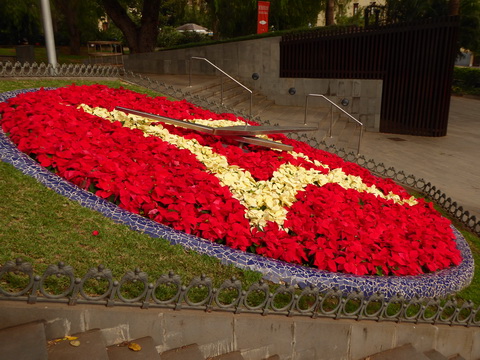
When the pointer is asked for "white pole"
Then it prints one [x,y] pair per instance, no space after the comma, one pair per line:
[48,29]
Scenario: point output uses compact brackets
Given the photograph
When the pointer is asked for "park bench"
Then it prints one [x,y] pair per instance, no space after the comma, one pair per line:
[105,53]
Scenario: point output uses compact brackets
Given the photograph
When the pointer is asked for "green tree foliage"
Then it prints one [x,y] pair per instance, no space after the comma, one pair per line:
[470,25]
[198,12]
[20,19]
[291,14]
[232,18]
[173,12]
[76,22]
[140,20]
[412,10]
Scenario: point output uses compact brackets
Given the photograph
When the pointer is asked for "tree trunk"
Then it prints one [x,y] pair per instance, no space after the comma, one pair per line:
[141,38]
[454,7]
[329,13]
[69,10]
[73,30]
[148,32]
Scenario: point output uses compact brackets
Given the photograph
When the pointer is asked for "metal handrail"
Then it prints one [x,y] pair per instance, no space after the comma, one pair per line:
[331,116]
[224,73]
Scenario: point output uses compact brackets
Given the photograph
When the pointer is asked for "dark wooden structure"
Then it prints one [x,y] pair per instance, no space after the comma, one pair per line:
[105,53]
[414,60]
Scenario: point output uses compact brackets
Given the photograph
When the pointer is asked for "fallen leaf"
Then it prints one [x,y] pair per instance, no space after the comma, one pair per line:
[134,346]
[70,337]
[75,343]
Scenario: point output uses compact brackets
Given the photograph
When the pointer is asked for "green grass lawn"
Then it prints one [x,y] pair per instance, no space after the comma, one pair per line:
[38,225]
[44,228]
[63,54]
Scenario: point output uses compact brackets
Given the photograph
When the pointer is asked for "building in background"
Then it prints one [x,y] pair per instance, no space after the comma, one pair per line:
[348,8]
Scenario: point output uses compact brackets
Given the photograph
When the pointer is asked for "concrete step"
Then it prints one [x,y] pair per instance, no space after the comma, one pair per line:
[261,102]
[259,111]
[345,134]
[204,86]
[242,104]
[232,90]
[434,355]
[348,137]
[456,357]
[123,352]
[188,352]
[234,355]
[91,346]
[234,96]
[405,352]
[214,89]
[237,101]
[24,342]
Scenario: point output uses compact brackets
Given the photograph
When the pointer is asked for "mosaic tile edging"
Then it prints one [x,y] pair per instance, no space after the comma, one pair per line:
[439,284]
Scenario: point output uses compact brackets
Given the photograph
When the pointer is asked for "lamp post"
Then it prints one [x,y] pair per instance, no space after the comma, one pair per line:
[48,29]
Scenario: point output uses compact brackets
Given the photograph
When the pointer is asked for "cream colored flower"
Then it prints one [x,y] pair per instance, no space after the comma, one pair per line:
[264,200]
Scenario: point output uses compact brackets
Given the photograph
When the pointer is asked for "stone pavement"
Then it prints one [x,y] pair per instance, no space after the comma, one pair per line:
[450,163]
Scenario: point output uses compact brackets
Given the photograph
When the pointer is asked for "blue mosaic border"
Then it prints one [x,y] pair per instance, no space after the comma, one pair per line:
[439,284]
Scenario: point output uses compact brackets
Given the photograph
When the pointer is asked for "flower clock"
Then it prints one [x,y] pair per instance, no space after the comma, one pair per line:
[305,207]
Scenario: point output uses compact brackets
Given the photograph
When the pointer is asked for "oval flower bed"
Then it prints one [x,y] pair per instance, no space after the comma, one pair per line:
[305,207]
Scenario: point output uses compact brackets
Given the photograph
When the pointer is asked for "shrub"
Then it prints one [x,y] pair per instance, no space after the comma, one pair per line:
[466,81]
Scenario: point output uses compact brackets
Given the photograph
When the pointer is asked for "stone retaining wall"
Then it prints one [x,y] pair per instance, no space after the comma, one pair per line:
[242,59]
[255,336]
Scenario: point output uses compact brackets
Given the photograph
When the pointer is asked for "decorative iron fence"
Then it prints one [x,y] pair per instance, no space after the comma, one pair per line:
[168,291]
[18,69]
[414,60]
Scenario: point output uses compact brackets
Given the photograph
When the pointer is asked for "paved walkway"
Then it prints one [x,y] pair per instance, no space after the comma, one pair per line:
[451,163]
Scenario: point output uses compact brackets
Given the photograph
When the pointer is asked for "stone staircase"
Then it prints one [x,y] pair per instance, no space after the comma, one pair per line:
[234,96]
[28,341]
[408,352]
[345,133]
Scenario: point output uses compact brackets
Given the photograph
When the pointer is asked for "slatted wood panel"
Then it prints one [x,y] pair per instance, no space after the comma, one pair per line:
[414,60]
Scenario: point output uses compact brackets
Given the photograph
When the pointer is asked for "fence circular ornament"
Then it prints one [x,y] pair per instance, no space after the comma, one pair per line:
[230,287]
[439,283]
[374,305]
[170,284]
[309,296]
[133,278]
[17,267]
[258,289]
[333,296]
[58,271]
[200,287]
[281,292]
[97,274]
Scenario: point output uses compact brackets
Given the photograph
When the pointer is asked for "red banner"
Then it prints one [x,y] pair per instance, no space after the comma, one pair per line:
[262,24]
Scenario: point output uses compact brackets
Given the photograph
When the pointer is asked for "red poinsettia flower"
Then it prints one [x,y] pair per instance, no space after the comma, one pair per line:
[317,209]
